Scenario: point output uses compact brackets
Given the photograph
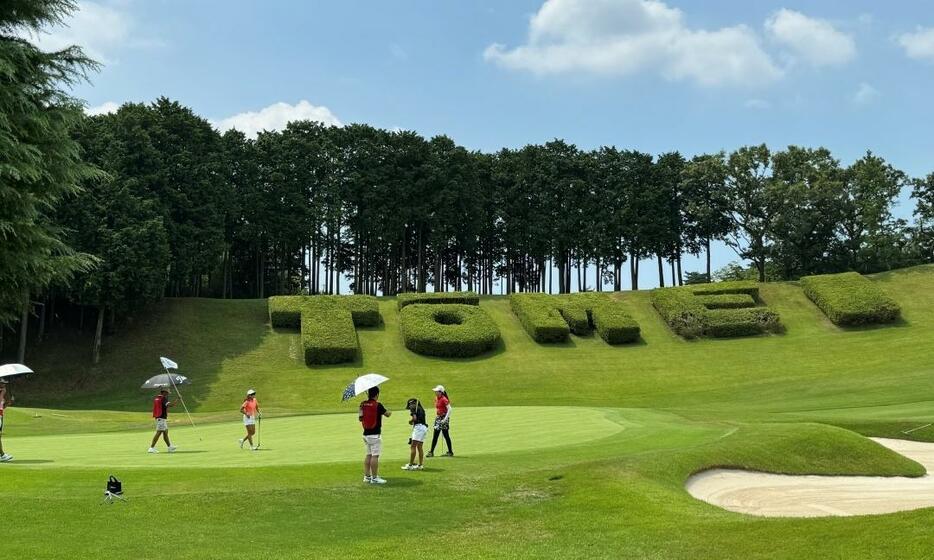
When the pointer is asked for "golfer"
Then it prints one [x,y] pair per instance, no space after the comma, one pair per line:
[371,417]
[250,411]
[442,421]
[160,412]
[419,431]
[4,457]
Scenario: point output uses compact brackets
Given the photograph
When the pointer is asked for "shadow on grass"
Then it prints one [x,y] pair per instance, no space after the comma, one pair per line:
[897,324]
[31,462]
[200,334]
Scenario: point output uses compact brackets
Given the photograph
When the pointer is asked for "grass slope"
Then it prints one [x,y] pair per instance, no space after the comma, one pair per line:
[577,450]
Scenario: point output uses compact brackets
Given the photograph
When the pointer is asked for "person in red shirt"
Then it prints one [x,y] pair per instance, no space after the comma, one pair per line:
[160,412]
[442,421]
[4,457]
[371,418]
[250,411]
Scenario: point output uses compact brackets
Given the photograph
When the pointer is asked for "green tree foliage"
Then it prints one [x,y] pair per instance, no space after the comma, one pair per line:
[923,232]
[40,162]
[706,204]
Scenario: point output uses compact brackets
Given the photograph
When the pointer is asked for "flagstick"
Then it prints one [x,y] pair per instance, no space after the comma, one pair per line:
[181,398]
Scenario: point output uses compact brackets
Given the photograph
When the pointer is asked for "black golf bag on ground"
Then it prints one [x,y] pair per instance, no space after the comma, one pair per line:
[113,491]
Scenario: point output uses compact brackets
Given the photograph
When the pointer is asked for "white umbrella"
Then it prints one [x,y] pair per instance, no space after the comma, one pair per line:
[361,384]
[8,372]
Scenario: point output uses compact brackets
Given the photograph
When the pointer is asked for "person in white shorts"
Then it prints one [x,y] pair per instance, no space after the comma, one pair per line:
[419,432]
[160,412]
[250,411]
[371,417]
[4,457]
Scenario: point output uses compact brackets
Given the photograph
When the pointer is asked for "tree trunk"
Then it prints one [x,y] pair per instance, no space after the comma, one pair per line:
[98,331]
[707,246]
[680,276]
[634,270]
[41,324]
[23,327]
[661,272]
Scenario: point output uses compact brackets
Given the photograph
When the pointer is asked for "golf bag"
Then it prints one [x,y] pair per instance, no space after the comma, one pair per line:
[113,491]
[114,486]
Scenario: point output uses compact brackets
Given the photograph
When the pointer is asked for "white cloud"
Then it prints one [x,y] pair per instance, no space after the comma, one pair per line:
[919,44]
[102,109]
[814,40]
[865,94]
[625,37]
[276,116]
[398,52]
[761,104]
[98,28]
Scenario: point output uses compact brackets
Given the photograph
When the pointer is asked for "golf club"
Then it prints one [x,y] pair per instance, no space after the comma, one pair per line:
[165,366]
[918,428]
[259,430]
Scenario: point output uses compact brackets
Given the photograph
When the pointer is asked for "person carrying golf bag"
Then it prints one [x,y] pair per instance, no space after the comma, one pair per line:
[442,421]
[250,411]
[4,457]
[419,431]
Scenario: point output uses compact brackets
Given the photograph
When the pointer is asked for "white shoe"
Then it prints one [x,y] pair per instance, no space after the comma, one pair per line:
[6,458]
[367,478]
[417,468]
[408,467]
[153,450]
[377,480]
[172,449]
[241,443]
[254,448]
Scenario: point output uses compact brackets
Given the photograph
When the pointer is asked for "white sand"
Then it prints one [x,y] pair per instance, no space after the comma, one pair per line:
[776,495]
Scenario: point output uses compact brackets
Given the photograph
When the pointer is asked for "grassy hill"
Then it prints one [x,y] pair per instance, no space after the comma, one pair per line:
[227,346]
[577,450]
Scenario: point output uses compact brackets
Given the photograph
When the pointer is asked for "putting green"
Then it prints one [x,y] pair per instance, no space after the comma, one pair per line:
[317,439]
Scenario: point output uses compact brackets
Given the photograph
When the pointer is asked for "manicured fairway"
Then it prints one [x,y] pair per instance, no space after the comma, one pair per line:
[577,450]
[328,438]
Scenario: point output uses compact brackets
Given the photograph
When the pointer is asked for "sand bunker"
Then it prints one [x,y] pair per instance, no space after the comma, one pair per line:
[776,495]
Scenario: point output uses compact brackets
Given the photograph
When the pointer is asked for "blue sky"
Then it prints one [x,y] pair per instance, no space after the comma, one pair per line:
[656,76]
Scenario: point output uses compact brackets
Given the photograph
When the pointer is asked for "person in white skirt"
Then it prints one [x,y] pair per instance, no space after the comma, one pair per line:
[250,411]
[419,432]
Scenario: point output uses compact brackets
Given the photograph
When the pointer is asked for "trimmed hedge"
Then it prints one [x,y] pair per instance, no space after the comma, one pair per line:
[722,310]
[328,333]
[466,298]
[850,299]
[729,323]
[328,323]
[683,312]
[450,331]
[285,311]
[727,301]
[613,324]
[540,317]
[736,287]
[574,311]
[551,318]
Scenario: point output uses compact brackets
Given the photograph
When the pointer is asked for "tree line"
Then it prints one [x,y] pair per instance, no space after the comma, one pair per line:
[112,212]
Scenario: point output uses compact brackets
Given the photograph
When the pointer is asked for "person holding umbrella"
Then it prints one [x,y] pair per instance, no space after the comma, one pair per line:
[250,410]
[371,418]
[442,420]
[4,457]
[160,412]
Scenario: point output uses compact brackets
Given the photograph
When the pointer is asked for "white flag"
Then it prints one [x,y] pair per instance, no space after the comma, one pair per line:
[167,363]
